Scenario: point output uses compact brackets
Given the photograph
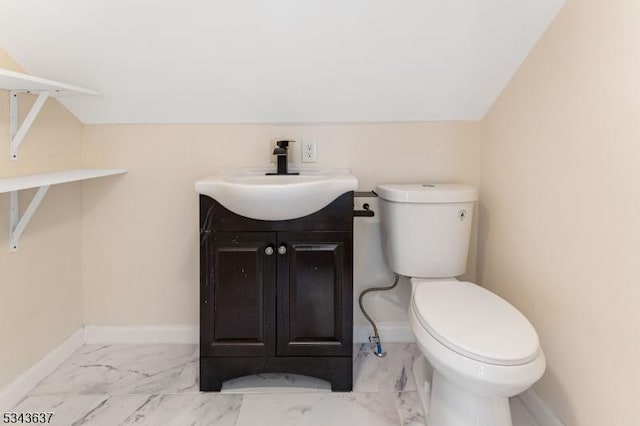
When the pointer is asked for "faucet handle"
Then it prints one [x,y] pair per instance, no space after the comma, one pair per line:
[284,144]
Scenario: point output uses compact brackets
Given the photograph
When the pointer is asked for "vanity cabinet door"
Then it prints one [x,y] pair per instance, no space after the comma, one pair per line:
[315,301]
[239,281]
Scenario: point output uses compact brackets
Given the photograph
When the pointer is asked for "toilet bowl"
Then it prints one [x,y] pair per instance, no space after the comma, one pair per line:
[481,349]
[480,355]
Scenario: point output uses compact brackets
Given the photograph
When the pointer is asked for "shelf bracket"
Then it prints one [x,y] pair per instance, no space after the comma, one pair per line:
[17,224]
[17,132]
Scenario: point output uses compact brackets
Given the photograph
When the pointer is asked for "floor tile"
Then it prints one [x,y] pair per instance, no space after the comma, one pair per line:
[66,409]
[112,411]
[187,409]
[409,409]
[189,379]
[142,410]
[118,369]
[391,373]
[158,385]
[319,409]
[520,415]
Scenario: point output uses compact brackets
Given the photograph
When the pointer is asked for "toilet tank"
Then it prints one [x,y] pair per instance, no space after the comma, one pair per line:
[426,228]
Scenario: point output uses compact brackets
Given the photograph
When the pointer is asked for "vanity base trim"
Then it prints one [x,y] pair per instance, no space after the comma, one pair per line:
[336,370]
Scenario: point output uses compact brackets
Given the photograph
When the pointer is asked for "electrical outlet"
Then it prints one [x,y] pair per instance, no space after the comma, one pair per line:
[309,151]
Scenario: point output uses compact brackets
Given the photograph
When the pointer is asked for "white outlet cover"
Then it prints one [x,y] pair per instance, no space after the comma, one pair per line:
[309,151]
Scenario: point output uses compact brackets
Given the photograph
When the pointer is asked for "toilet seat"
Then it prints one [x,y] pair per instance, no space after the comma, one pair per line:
[474,322]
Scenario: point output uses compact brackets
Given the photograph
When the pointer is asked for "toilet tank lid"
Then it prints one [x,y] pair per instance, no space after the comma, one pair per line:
[427,193]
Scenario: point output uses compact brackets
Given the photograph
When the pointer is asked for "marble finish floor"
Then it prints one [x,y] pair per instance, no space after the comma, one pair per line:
[157,384]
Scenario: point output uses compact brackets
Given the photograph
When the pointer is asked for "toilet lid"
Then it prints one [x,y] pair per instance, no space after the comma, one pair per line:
[475,323]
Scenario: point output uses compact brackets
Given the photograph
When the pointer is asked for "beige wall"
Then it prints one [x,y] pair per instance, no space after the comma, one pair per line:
[40,283]
[560,208]
[140,232]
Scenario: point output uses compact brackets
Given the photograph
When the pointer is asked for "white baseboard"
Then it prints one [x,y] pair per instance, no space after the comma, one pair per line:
[101,334]
[20,387]
[538,409]
[389,332]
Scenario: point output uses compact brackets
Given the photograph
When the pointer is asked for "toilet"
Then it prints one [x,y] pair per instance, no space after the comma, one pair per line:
[482,350]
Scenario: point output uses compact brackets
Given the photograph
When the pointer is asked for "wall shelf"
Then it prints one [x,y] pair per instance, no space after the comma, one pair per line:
[35,181]
[11,80]
[13,185]
[17,83]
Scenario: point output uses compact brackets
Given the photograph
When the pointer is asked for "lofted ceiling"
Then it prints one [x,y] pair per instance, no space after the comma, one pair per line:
[256,61]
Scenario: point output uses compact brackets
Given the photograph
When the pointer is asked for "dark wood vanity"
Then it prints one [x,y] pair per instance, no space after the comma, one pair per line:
[276,296]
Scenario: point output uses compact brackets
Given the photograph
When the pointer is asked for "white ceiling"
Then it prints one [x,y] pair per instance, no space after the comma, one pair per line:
[251,61]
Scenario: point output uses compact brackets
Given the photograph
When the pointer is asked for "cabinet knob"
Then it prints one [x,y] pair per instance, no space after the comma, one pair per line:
[282,249]
[268,250]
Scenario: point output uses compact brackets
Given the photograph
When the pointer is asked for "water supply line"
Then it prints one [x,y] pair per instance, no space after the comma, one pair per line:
[375,339]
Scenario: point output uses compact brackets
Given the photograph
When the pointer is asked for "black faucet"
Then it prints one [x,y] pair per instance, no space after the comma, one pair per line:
[281,151]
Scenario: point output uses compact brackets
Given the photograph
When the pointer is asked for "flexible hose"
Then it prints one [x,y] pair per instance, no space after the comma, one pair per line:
[364,311]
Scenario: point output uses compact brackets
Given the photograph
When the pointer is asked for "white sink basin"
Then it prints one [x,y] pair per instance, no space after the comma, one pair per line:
[251,193]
